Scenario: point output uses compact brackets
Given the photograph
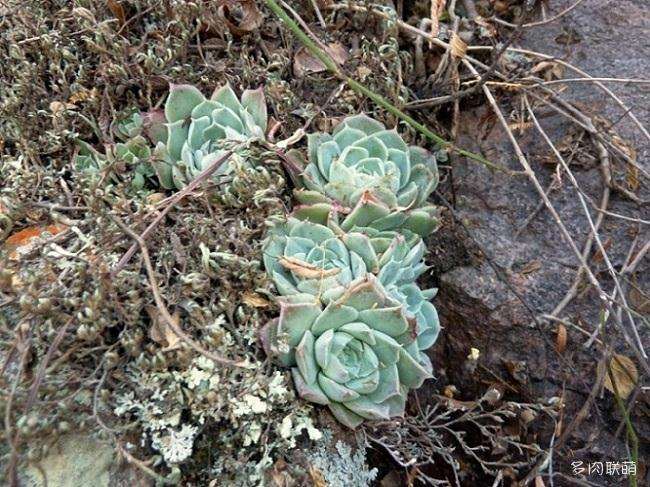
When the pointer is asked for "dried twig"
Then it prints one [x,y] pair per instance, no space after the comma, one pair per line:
[540,22]
[207,172]
[13,440]
[331,66]
[605,299]
[169,320]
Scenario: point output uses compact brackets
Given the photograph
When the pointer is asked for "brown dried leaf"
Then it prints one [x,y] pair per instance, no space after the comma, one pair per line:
[560,339]
[532,266]
[241,16]
[255,300]
[305,270]
[638,299]
[160,332]
[624,373]
[305,62]
[117,10]
[317,477]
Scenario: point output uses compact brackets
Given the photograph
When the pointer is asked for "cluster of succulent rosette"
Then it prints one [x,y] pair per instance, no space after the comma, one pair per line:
[177,143]
[353,323]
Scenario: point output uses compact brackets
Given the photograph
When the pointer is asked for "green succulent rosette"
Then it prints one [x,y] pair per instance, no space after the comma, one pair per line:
[197,129]
[129,126]
[372,177]
[302,257]
[135,152]
[305,257]
[358,354]
[401,265]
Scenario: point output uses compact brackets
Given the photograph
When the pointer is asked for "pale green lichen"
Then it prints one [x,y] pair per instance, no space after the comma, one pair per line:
[340,466]
[175,445]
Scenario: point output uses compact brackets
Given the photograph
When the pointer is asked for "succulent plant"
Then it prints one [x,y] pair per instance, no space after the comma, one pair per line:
[400,266]
[370,175]
[306,257]
[128,126]
[358,355]
[309,258]
[198,129]
[135,152]
[88,159]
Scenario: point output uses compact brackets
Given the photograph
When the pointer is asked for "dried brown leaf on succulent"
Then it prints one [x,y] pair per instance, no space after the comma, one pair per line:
[624,373]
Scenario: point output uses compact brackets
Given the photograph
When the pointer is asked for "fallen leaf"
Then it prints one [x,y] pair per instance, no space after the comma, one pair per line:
[532,266]
[306,270]
[160,332]
[57,107]
[255,300]
[82,95]
[317,477]
[624,373]
[241,17]
[305,62]
[560,339]
[638,299]
[117,10]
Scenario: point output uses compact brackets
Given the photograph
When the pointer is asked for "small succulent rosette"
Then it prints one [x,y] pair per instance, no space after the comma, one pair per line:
[302,257]
[133,150]
[371,176]
[401,265]
[198,129]
[358,355]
